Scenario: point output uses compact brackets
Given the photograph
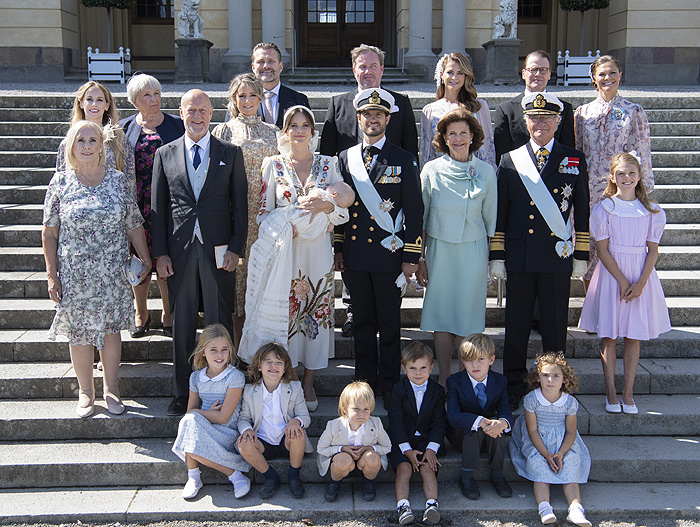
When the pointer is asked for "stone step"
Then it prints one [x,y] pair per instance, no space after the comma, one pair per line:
[22,313]
[42,380]
[669,129]
[20,235]
[32,345]
[23,142]
[22,194]
[673,159]
[676,175]
[675,142]
[675,193]
[604,502]
[28,158]
[683,114]
[151,462]
[27,176]
[56,128]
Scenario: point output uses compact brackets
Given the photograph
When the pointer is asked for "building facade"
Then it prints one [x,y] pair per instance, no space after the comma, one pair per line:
[656,41]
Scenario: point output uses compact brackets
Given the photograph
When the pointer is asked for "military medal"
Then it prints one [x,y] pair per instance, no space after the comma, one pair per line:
[386,205]
[566,190]
[569,165]
[564,205]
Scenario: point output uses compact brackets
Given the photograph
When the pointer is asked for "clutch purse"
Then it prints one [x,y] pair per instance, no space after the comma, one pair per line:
[131,269]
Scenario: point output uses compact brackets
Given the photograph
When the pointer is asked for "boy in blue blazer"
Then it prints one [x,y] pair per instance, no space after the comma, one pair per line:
[479,414]
[417,430]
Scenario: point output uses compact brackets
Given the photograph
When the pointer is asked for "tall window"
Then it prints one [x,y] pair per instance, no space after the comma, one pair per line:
[322,11]
[361,11]
[154,11]
[531,10]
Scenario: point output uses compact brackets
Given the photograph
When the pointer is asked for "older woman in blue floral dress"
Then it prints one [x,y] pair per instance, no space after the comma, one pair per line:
[90,216]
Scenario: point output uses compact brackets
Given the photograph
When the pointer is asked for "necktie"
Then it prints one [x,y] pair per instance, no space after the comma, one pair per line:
[196,160]
[542,155]
[368,153]
[269,112]
[481,394]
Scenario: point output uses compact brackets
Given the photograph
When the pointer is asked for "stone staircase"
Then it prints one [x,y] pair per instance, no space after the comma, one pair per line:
[57,467]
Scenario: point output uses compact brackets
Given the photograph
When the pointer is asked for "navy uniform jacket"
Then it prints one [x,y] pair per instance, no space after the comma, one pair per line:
[510,132]
[523,239]
[341,129]
[359,239]
[463,407]
[286,98]
[405,420]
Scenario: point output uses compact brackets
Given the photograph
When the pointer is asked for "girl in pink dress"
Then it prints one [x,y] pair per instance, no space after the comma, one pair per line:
[625,298]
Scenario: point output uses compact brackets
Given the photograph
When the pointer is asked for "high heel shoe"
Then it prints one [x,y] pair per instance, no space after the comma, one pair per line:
[114,404]
[85,407]
[140,331]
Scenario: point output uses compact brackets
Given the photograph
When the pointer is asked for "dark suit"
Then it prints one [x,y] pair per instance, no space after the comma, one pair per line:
[170,129]
[462,410]
[222,210]
[510,131]
[405,419]
[286,98]
[524,240]
[341,129]
[371,270]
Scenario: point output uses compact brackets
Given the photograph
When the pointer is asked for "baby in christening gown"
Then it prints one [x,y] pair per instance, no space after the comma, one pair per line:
[269,265]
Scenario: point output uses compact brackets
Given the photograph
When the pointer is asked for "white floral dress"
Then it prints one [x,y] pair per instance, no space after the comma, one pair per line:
[92,247]
[311,296]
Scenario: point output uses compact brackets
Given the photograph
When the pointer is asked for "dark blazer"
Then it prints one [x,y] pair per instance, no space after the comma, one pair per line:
[462,406]
[405,420]
[341,129]
[170,129]
[529,242]
[359,239]
[510,131]
[222,209]
[286,99]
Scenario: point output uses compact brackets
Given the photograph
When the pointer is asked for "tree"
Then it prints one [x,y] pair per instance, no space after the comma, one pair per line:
[582,6]
[109,5]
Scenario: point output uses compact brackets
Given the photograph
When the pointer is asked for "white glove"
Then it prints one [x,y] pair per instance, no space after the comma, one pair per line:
[498,269]
[580,268]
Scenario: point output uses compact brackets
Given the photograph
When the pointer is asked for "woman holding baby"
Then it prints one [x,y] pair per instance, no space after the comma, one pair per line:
[296,181]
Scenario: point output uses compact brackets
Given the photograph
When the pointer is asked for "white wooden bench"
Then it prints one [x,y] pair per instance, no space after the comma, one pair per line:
[574,70]
[109,66]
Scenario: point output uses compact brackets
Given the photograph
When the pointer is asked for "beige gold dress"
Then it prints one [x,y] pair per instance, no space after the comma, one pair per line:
[257,140]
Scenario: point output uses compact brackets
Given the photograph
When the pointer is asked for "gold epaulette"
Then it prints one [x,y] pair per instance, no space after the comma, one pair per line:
[583,241]
[498,242]
[414,247]
[338,237]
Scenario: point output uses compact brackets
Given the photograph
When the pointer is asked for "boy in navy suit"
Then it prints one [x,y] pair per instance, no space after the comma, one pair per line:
[478,413]
[417,430]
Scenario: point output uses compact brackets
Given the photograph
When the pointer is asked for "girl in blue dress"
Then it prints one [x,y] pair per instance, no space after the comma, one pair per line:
[208,431]
[546,447]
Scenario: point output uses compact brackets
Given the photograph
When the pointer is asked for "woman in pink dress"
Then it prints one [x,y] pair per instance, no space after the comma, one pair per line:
[625,298]
[607,126]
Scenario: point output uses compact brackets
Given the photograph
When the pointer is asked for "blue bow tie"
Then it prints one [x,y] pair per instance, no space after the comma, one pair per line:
[421,389]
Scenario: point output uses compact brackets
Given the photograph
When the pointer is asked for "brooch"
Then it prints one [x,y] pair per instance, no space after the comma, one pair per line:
[569,165]
[386,205]
[618,114]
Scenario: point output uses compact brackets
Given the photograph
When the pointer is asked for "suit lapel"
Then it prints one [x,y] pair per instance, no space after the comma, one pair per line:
[258,403]
[552,161]
[179,166]
[216,152]
[285,396]
[491,389]
[468,389]
[519,116]
[382,162]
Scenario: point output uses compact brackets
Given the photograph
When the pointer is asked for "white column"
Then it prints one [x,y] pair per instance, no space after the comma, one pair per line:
[240,39]
[273,25]
[420,30]
[454,21]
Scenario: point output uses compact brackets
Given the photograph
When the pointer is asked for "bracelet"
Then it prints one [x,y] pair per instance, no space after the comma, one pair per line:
[421,259]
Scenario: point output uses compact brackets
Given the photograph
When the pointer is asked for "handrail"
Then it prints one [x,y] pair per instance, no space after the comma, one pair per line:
[401,53]
[294,45]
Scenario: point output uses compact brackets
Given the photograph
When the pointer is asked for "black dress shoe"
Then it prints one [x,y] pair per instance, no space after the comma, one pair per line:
[501,486]
[346,330]
[514,401]
[369,490]
[168,331]
[140,331]
[331,492]
[269,488]
[178,406]
[469,488]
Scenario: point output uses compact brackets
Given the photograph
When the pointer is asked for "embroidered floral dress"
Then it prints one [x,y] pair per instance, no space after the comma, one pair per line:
[311,296]
[110,161]
[604,129]
[92,247]
[429,118]
[257,140]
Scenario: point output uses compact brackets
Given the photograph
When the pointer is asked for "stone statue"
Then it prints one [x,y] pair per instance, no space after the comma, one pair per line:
[504,24]
[189,23]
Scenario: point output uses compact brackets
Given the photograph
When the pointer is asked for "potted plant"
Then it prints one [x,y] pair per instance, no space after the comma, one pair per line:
[109,5]
[582,6]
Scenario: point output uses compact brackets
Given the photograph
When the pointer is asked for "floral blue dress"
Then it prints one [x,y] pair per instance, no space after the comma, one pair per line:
[197,435]
[551,425]
[92,247]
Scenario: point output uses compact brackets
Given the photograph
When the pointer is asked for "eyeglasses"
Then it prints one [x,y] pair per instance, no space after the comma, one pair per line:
[538,71]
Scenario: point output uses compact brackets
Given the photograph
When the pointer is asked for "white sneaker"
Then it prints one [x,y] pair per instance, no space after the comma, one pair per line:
[191,488]
[241,487]
[577,516]
[547,515]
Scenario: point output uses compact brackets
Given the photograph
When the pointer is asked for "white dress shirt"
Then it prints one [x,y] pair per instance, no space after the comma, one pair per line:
[272,424]
[419,394]
[197,180]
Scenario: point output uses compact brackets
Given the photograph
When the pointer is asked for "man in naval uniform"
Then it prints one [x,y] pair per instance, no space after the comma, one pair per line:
[539,185]
[379,247]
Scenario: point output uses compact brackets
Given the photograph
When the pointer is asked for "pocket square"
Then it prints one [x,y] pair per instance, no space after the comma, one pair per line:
[221,163]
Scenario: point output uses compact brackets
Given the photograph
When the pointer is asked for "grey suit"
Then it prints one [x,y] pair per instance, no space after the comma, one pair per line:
[222,210]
